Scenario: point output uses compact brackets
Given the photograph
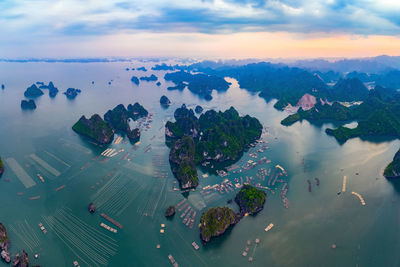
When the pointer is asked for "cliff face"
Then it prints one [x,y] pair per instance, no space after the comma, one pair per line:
[215,221]
[1,167]
[95,128]
[393,169]
[183,165]
[118,119]
[4,244]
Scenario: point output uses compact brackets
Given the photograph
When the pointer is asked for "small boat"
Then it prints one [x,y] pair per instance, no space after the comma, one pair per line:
[269,227]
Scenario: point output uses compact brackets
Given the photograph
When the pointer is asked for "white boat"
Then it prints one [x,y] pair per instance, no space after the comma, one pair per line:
[269,227]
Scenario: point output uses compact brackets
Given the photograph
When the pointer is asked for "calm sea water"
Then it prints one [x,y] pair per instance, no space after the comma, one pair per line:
[128,191]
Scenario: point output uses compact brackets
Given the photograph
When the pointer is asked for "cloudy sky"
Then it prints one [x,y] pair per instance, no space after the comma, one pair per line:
[199,28]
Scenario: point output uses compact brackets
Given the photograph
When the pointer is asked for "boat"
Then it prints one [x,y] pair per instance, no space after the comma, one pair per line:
[269,227]
[194,244]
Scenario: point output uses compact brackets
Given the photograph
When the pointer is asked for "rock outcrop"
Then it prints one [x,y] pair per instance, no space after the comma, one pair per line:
[95,128]
[250,200]
[28,104]
[33,91]
[71,93]
[170,211]
[164,101]
[21,260]
[183,165]
[4,244]
[215,221]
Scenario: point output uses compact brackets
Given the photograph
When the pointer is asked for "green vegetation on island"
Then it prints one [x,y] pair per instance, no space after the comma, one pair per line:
[320,112]
[200,84]
[379,115]
[215,221]
[182,160]
[350,89]
[119,117]
[102,131]
[250,199]
[216,136]
[393,169]
[95,128]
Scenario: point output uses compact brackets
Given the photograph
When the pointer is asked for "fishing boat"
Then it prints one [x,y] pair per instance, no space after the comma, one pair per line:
[269,227]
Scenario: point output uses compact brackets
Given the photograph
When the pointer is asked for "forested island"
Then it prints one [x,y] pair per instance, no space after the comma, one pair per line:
[162,66]
[135,80]
[119,117]
[102,131]
[151,78]
[215,221]
[377,115]
[33,91]
[250,200]
[164,101]
[200,84]
[71,93]
[95,128]
[393,169]
[28,104]
[53,91]
[213,137]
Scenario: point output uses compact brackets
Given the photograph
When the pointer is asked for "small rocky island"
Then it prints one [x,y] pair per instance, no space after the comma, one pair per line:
[250,200]
[28,104]
[170,211]
[198,109]
[135,80]
[142,69]
[164,101]
[215,221]
[102,131]
[4,244]
[53,91]
[392,170]
[1,167]
[71,93]
[214,137]
[199,83]
[151,78]
[95,128]
[33,91]
[21,260]
[119,116]
[91,208]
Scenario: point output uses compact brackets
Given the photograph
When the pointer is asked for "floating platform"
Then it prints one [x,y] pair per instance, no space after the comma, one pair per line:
[111,220]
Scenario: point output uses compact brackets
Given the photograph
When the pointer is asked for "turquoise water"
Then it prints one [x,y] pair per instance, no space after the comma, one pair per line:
[128,191]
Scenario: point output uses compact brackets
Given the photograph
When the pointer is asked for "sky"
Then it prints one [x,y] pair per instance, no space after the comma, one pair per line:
[199,28]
